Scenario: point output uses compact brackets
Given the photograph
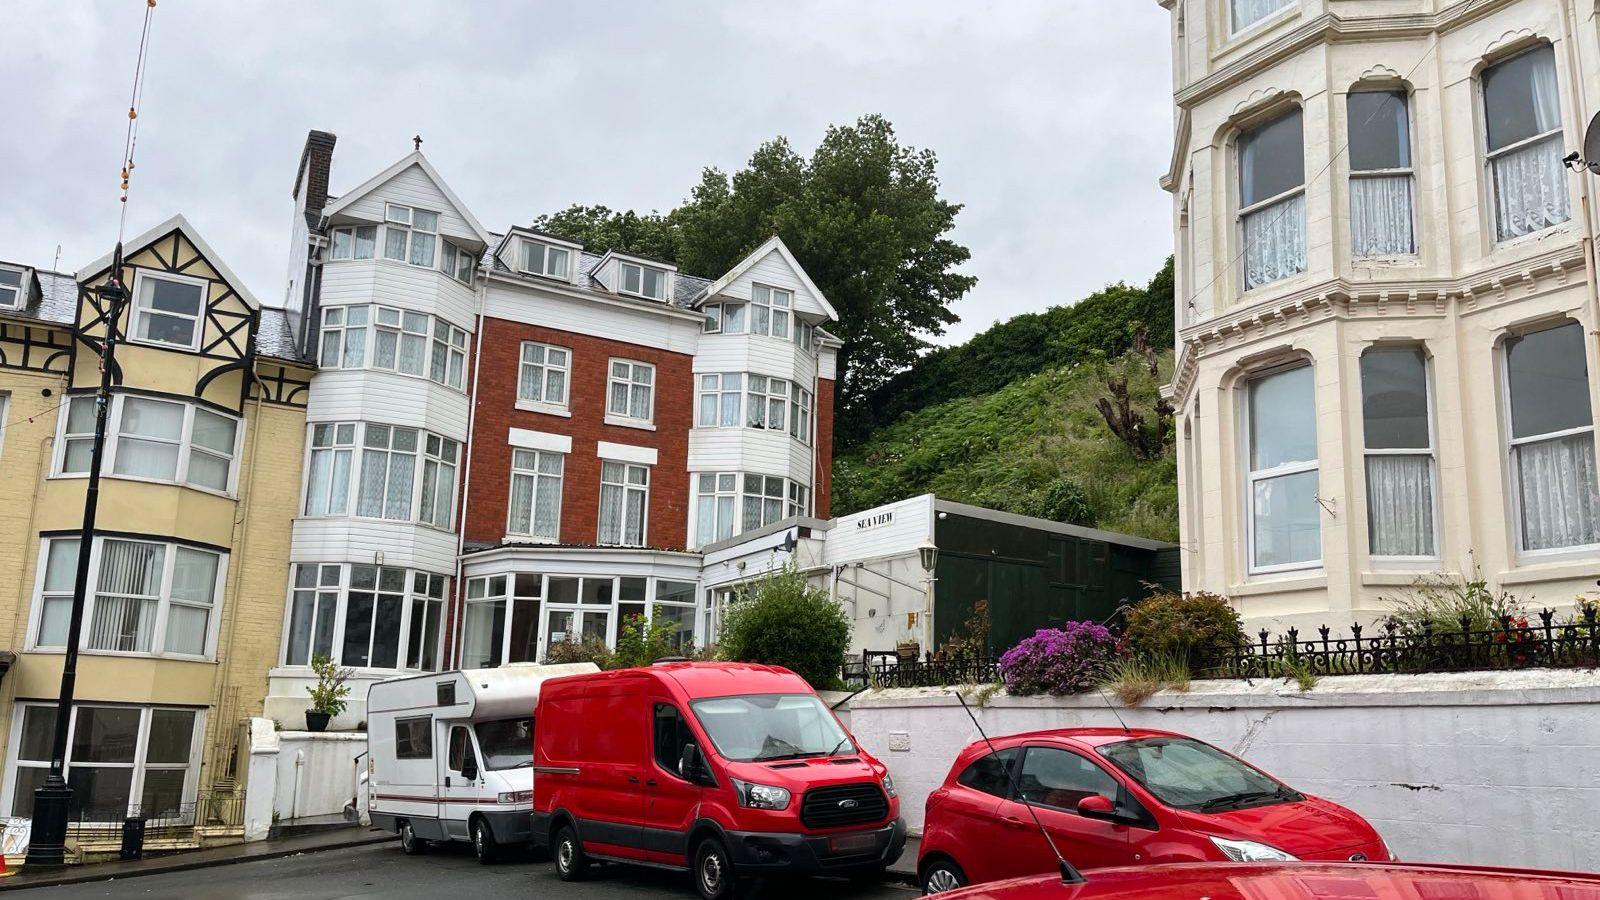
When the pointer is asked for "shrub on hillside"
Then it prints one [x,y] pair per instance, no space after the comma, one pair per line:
[1174,625]
[781,620]
[1066,660]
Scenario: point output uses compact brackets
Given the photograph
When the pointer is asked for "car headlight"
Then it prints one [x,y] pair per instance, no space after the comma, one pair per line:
[1250,851]
[761,796]
[516,797]
[888,785]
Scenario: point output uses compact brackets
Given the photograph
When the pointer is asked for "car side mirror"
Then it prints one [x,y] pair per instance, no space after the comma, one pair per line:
[692,766]
[469,770]
[1095,806]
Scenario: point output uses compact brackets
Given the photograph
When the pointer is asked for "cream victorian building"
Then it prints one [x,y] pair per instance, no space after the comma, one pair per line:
[1386,299]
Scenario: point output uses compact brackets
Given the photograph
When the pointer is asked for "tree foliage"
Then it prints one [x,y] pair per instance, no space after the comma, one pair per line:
[600,228]
[780,620]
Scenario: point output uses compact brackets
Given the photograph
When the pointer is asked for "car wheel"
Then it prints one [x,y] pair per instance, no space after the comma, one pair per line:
[942,875]
[410,844]
[483,842]
[714,876]
[571,864]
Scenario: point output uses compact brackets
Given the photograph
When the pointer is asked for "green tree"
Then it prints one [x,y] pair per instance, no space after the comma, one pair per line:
[780,620]
[600,228]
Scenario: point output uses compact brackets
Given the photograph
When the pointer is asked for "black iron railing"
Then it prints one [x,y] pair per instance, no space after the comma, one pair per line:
[887,669]
[163,820]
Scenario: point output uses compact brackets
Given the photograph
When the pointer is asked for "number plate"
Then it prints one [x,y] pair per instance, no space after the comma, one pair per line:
[852,843]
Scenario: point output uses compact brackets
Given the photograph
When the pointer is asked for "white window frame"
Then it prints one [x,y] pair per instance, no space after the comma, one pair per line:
[403,653]
[1489,156]
[508,594]
[13,297]
[764,304]
[438,455]
[140,278]
[544,368]
[545,270]
[712,323]
[718,387]
[627,487]
[113,439]
[388,448]
[1408,172]
[1245,212]
[1235,29]
[1513,479]
[801,403]
[394,221]
[1251,477]
[631,381]
[444,344]
[456,261]
[164,599]
[622,279]
[759,403]
[725,485]
[536,474]
[1431,452]
[358,459]
[140,764]
[352,233]
[335,445]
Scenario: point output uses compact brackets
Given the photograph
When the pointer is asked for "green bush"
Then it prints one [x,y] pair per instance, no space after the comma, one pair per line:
[588,650]
[640,643]
[1174,625]
[780,620]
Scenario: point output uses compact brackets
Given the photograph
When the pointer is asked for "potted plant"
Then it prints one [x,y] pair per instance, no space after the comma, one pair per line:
[328,694]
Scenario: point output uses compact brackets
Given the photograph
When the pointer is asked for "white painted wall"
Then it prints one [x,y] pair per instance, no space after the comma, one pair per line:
[1486,768]
[411,186]
[316,773]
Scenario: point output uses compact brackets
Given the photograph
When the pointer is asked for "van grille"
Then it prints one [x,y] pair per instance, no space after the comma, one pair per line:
[843,804]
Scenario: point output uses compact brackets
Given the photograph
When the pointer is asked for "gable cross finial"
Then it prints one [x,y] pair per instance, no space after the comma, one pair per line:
[417,143]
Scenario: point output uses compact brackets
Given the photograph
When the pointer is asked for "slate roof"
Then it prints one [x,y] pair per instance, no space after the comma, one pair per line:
[685,288]
[275,335]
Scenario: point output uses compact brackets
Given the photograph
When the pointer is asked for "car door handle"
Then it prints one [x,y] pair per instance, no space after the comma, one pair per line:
[1014,822]
[650,783]
[633,779]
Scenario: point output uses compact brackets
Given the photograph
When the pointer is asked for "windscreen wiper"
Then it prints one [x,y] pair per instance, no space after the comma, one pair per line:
[1240,798]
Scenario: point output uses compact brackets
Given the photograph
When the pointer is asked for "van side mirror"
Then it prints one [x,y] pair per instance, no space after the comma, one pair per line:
[692,766]
[469,769]
[1095,806]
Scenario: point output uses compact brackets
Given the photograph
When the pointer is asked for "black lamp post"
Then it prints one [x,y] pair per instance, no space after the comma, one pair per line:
[52,801]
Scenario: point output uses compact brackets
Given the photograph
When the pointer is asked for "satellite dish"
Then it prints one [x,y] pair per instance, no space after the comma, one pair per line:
[1591,146]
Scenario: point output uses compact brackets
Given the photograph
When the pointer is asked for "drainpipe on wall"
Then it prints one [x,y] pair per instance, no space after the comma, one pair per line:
[458,590]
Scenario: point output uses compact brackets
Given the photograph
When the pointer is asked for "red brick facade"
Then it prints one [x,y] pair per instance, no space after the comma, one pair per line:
[495,413]
[822,491]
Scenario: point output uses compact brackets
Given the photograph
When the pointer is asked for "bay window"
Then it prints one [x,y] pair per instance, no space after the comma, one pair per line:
[168,309]
[438,481]
[730,503]
[799,499]
[720,396]
[1381,198]
[644,281]
[630,390]
[365,616]
[767,403]
[763,501]
[624,500]
[313,612]
[1281,471]
[769,310]
[1272,200]
[328,475]
[457,262]
[511,618]
[1399,453]
[388,465]
[385,474]
[545,259]
[1522,118]
[154,440]
[374,609]
[716,505]
[1552,439]
[154,598]
[1245,13]
[535,508]
[410,235]
[404,342]
[426,622]
[354,242]
[121,760]
[448,365]
[543,375]
[800,420]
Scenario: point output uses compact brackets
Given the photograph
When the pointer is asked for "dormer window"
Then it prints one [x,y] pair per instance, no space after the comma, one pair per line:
[545,259]
[410,235]
[769,310]
[10,288]
[167,310]
[644,281]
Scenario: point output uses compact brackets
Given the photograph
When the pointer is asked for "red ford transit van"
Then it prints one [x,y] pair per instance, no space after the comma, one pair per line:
[728,770]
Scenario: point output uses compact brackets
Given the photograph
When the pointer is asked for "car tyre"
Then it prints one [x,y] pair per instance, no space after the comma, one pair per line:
[483,844]
[571,863]
[942,875]
[410,844]
[714,876]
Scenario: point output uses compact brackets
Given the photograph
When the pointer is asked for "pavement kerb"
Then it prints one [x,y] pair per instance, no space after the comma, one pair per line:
[184,862]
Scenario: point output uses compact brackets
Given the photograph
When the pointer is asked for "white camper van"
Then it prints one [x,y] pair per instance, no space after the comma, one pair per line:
[452,755]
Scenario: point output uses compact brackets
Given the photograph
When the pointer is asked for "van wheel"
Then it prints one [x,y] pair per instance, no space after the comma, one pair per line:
[942,875]
[410,844]
[571,863]
[714,876]
[483,842]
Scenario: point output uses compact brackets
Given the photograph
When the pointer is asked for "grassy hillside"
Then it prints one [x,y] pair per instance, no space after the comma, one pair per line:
[1035,446]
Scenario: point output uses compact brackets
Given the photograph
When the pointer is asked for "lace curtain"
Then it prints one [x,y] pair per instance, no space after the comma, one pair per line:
[1275,241]
[1249,12]
[1560,501]
[1380,216]
[611,514]
[1400,505]
[1530,189]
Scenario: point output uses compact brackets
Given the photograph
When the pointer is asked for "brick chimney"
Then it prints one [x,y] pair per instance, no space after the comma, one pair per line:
[316,160]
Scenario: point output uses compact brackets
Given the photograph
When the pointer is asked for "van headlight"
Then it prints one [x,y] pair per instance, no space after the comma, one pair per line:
[761,796]
[516,797]
[1250,851]
[888,785]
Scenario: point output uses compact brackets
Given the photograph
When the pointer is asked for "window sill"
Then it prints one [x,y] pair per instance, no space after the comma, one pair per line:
[123,654]
[373,370]
[1574,564]
[162,345]
[621,422]
[1403,577]
[377,519]
[74,476]
[547,409]
[1250,32]
[1511,245]
[1278,583]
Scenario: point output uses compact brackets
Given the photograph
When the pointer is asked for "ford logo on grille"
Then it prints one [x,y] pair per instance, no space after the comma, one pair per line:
[1358,857]
[849,804]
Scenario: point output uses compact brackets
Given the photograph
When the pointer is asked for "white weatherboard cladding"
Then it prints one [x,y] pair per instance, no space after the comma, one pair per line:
[773,357]
[749,450]
[772,271]
[828,363]
[339,395]
[399,284]
[621,320]
[412,187]
[881,531]
[351,540]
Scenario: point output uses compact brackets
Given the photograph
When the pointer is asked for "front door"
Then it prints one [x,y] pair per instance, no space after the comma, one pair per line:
[459,781]
[671,800]
[1053,780]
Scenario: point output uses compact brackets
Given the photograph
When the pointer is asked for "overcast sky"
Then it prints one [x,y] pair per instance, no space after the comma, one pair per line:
[1051,119]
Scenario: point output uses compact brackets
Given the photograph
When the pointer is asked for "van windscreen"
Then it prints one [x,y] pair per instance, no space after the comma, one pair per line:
[506,743]
[757,727]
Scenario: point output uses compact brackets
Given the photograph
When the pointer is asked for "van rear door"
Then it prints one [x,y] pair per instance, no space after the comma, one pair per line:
[612,766]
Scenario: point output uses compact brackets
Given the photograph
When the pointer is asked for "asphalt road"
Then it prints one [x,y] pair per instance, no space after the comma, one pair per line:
[450,873]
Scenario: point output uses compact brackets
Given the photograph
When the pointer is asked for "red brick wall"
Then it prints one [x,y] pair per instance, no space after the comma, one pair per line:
[822,491]
[496,412]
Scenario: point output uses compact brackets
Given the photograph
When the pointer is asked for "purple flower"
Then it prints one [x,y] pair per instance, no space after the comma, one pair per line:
[1065,660]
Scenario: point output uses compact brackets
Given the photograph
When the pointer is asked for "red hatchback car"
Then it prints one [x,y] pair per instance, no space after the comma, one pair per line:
[1115,797]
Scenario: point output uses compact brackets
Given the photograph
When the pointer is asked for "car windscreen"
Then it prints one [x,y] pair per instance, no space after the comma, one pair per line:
[756,727]
[506,743]
[1187,774]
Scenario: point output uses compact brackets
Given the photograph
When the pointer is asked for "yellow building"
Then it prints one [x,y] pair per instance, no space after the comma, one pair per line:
[200,482]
